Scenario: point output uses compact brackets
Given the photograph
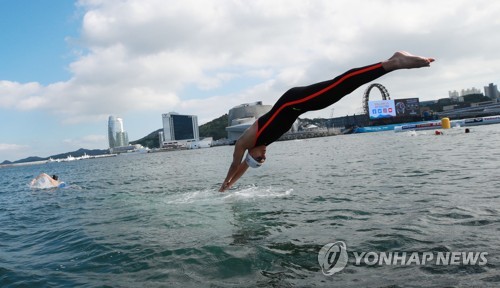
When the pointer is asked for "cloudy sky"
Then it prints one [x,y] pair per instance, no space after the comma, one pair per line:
[66,66]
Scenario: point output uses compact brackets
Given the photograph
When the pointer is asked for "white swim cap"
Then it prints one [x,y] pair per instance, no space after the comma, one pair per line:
[252,162]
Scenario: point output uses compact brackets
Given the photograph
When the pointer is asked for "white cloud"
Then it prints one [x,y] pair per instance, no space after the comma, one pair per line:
[19,96]
[11,147]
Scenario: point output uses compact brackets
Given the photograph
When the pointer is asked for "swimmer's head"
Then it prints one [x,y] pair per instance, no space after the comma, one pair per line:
[256,156]
[254,163]
[55,177]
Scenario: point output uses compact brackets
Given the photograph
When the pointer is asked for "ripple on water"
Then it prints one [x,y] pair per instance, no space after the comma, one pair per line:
[158,220]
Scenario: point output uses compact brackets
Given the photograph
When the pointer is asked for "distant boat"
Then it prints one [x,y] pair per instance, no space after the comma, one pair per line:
[69,158]
[173,145]
[84,156]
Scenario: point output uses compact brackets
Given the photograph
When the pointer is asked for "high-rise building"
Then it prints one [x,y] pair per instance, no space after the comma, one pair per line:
[491,91]
[178,127]
[453,94]
[116,134]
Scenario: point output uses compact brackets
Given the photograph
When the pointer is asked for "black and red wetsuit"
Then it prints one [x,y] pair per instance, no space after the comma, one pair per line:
[299,100]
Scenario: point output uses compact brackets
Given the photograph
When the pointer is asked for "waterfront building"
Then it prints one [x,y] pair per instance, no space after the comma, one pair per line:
[243,116]
[116,134]
[180,128]
[459,97]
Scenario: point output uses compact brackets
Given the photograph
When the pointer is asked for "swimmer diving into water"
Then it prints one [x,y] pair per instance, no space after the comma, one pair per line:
[296,101]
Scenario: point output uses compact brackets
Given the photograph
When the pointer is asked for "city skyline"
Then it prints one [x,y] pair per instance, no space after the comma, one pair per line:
[490,91]
[68,65]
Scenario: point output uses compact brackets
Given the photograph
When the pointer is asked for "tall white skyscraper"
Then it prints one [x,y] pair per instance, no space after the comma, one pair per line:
[116,134]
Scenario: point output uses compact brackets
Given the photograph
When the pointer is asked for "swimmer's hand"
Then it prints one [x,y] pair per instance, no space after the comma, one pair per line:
[224,187]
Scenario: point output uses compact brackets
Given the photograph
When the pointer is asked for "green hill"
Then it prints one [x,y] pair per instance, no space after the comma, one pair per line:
[150,141]
[78,153]
[215,128]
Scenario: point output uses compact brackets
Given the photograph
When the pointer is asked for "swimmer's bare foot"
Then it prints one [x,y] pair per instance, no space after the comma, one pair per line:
[405,60]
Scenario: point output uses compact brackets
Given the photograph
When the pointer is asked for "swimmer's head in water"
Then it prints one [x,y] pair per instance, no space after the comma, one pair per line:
[55,177]
[254,163]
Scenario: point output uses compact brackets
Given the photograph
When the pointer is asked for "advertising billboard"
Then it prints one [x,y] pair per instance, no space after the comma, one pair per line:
[407,107]
[381,109]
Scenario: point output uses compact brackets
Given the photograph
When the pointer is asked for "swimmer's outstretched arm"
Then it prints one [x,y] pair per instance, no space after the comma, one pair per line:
[237,168]
[240,170]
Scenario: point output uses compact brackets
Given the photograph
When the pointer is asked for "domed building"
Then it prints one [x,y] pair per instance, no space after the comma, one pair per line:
[243,116]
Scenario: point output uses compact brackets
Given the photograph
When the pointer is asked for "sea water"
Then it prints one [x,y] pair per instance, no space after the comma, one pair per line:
[157,220]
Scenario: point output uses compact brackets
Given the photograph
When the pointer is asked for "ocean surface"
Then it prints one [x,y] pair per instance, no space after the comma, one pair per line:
[157,220]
